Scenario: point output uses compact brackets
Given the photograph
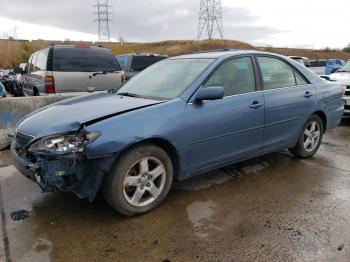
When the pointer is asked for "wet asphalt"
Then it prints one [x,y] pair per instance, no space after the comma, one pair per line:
[273,208]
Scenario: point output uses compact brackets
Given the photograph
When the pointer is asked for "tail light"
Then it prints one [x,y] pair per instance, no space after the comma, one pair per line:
[49,85]
[342,90]
[123,77]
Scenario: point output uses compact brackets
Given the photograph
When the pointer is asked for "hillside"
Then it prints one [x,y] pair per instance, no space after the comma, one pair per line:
[13,52]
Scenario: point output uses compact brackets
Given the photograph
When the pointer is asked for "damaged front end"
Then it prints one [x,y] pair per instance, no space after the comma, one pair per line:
[58,163]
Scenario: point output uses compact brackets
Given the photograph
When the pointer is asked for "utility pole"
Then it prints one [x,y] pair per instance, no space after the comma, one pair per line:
[210,19]
[103,19]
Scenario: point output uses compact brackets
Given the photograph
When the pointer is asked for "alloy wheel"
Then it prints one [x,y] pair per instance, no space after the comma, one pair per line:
[312,136]
[144,181]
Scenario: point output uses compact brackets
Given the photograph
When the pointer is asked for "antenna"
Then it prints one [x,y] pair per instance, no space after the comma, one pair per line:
[210,19]
[103,19]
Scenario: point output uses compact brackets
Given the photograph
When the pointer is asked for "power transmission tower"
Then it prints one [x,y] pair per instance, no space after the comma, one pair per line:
[210,19]
[103,19]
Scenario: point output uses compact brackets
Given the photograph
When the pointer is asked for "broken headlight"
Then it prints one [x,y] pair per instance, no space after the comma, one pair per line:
[64,143]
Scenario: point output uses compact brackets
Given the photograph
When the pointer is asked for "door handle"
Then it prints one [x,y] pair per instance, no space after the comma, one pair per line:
[256,104]
[308,94]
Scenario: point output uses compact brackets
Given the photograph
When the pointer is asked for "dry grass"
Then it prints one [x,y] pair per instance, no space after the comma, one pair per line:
[14,52]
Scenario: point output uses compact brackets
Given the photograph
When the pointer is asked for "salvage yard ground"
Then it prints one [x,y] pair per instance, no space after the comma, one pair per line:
[273,208]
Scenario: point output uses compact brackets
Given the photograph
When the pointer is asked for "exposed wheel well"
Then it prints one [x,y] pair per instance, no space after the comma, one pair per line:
[167,147]
[323,117]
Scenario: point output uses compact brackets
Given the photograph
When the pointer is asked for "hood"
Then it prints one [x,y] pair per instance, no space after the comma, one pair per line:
[341,77]
[69,115]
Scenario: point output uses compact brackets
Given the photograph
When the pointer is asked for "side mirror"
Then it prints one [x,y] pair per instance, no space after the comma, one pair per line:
[210,93]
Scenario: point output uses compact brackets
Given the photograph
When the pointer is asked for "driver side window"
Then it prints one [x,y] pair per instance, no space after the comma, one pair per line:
[235,76]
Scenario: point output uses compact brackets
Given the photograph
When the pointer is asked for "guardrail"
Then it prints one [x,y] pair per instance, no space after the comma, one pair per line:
[13,109]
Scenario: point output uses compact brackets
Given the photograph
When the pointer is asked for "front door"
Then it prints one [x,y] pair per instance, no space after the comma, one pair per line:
[229,128]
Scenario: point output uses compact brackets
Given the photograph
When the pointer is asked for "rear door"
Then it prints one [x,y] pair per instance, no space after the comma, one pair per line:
[289,98]
[76,69]
[29,78]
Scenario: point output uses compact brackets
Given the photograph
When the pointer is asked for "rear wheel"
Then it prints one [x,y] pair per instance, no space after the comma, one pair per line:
[310,138]
[139,181]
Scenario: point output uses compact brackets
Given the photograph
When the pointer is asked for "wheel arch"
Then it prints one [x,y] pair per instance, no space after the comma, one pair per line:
[323,117]
[167,146]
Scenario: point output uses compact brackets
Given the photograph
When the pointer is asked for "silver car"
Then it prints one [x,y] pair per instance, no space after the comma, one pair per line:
[63,69]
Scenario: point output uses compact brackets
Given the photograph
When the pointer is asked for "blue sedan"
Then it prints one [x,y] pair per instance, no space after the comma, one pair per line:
[178,118]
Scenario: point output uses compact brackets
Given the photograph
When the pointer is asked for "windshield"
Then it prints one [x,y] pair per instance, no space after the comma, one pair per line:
[345,68]
[165,80]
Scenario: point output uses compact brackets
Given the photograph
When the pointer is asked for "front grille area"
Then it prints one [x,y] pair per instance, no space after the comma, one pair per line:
[22,138]
[346,107]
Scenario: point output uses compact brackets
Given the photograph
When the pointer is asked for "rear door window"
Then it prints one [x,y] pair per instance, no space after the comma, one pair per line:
[32,62]
[276,73]
[41,60]
[300,80]
[139,62]
[29,64]
[84,60]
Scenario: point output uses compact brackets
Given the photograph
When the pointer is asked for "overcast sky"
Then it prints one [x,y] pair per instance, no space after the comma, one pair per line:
[296,23]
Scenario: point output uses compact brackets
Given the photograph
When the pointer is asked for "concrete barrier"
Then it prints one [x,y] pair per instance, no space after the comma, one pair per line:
[13,109]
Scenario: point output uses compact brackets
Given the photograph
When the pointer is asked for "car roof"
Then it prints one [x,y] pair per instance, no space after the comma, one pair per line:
[142,54]
[78,46]
[220,54]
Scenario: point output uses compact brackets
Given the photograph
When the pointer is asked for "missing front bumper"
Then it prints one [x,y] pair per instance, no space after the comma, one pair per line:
[74,173]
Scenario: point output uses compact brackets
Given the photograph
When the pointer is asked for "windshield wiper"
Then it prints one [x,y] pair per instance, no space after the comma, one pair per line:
[342,71]
[129,94]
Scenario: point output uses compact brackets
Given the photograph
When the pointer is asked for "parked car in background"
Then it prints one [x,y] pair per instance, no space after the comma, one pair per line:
[12,81]
[63,68]
[133,64]
[342,75]
[5,78]
[301,60]
[178,118]
[2,90]
[318,66]
[23,66]
[332,65]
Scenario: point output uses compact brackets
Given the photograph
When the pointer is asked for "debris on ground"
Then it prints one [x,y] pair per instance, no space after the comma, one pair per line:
[340,247]
[20,215]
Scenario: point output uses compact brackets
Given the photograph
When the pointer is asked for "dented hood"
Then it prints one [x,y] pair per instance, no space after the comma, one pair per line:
[69,115]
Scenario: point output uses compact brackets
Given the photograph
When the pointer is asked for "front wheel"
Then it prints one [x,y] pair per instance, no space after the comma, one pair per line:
[139,181]
[310,138]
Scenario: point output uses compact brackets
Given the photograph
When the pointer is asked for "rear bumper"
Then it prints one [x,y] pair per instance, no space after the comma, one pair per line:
[73,173]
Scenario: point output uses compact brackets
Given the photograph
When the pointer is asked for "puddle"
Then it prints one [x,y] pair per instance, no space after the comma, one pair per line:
[200,214]
[40,251]
[255,168]
[201,182]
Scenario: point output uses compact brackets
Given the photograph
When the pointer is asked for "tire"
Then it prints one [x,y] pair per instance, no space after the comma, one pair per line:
[129,179]
[304,149]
